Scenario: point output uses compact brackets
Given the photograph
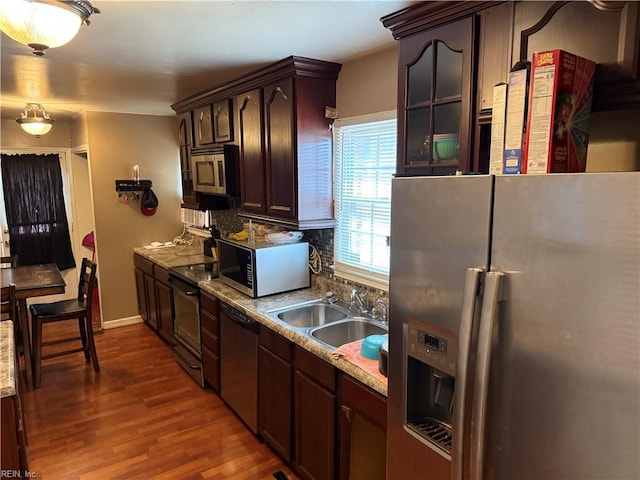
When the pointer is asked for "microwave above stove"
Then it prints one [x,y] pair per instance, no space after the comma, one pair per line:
[215,171]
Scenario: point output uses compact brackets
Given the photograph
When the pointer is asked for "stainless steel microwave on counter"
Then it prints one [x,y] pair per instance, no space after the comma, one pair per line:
[260,268]
[216,171]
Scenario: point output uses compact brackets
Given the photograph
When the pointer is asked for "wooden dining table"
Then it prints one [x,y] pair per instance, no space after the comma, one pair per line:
[31,281]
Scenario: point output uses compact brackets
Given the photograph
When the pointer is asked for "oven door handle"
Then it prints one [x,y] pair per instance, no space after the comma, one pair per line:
[183,287]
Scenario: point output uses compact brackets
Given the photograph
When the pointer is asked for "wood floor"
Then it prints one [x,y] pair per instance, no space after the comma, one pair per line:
[141,417]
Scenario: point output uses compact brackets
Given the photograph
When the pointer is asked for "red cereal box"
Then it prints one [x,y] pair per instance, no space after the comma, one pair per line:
[560,98]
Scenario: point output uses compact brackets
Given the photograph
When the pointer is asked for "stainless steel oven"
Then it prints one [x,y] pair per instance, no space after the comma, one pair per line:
[186,317]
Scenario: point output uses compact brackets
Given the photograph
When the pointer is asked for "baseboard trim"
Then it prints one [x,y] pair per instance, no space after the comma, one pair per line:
[121,322]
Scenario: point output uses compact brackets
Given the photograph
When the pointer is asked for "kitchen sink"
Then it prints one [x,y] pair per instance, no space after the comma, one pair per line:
[311,315]
[346,331]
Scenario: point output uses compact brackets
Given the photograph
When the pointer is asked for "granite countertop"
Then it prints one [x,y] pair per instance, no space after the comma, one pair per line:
[257,308]
[175,256]
[7,360]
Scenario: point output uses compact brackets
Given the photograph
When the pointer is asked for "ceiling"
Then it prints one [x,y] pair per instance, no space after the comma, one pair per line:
[141,56]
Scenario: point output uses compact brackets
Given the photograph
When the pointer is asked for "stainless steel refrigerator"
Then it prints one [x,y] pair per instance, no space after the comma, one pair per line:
[514,327]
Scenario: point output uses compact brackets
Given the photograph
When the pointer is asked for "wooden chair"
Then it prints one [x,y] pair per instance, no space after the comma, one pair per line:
[8,303]
[78,308]
[11,261]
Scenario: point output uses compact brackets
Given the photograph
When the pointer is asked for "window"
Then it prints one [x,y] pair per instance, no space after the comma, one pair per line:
[365,161]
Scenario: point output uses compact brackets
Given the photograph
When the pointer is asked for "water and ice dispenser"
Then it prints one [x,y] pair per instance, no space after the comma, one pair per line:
[431,354]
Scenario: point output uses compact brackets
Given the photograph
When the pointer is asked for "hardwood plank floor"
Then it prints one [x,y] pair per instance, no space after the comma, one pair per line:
[141,417]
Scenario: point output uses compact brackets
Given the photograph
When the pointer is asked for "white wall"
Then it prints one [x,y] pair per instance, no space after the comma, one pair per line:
[368,84]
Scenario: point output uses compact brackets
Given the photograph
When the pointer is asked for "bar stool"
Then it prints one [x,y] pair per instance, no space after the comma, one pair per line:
[8,262]
[78,308]
[8,303]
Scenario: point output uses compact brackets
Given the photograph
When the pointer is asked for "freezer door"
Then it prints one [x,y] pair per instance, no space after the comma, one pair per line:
[564,389]
[439,228]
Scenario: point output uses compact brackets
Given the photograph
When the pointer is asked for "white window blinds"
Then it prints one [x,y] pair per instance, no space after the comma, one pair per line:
[365,156]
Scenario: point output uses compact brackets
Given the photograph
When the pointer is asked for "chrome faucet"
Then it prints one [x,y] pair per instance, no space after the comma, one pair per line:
[381,310]
[359,302]
[330,298]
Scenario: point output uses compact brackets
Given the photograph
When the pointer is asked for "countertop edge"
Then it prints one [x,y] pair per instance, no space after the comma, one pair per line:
[7,360]
[176,256]
[257,308]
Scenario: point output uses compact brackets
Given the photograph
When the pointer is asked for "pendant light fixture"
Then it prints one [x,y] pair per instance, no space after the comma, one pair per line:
[43,24]
[34,120]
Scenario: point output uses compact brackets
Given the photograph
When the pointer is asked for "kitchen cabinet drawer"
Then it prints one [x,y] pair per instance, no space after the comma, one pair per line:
[211,304]
[367,402]
[322,372]
[277,344]
[209,321]
[143,264]
[161,274]
[211,341]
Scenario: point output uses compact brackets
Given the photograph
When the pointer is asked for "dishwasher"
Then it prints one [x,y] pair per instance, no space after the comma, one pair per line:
[239,364]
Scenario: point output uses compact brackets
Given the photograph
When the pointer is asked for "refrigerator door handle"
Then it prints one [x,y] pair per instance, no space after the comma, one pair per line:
[469,296]
[491,297]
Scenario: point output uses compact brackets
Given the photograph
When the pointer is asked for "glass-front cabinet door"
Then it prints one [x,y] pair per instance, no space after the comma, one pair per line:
[434,115]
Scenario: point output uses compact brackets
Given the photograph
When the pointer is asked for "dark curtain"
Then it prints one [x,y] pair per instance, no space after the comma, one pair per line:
[34,202]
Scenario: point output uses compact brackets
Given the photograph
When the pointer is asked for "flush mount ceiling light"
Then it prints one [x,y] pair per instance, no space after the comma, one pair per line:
[43,24]
[34,120]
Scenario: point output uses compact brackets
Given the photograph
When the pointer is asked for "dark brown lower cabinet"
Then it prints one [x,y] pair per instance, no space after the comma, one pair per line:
[210,334]
[14,460]
[14,447]
[363,427]
[276,392]
[145,286]
[315,417]
[164,303]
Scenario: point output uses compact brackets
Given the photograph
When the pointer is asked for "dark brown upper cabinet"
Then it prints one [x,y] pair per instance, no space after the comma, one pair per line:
[202,126]
[185,137]
[606,32]
[494,52]
[251,151]
[286,153]
[434,99]
[223,121]
[279,144]
[277,117]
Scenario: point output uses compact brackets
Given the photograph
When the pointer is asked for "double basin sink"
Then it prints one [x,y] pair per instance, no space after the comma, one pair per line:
[332,324]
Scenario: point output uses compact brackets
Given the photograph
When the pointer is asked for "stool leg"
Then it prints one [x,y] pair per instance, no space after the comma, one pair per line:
[92,344]
[37,351]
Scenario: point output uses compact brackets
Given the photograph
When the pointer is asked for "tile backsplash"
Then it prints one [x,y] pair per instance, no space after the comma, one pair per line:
[228,221]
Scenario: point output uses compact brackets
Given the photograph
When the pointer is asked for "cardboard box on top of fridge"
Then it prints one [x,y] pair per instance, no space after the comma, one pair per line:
[498,118]
[560,97]
[516,116]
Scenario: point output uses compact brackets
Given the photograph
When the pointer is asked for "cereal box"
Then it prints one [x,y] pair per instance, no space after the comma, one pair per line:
[516,117]
[560,98]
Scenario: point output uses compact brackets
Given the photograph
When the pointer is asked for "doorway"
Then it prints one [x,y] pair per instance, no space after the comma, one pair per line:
[74,166]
